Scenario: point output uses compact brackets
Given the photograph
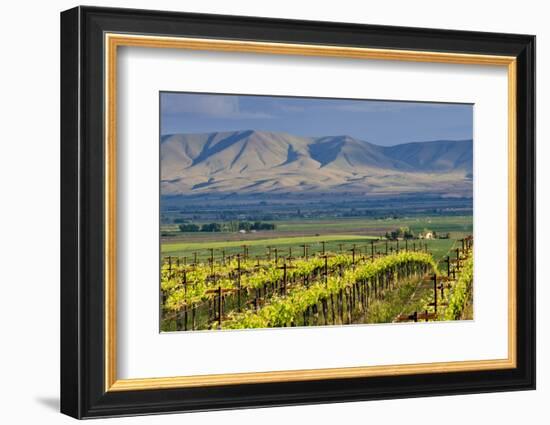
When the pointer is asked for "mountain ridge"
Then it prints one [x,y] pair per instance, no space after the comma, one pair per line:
[252,161]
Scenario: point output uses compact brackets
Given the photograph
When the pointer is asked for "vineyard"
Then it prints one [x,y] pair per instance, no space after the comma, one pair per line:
[370,283]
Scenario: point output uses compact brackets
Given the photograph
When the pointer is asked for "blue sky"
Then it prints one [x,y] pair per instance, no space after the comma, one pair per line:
[380,122]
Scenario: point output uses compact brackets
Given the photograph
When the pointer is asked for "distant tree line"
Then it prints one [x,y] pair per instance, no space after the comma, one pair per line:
[227,227]
[189,228]
[256,225]
[407,233]
[401,233]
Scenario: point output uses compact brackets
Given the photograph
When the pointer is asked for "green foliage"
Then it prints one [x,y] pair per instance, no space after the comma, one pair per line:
[211,227]
[189,284]
[461,291]
[257,225]
[403,232]
[189,227]
[286,311]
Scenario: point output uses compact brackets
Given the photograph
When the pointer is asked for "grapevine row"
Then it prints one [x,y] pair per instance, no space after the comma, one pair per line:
[185,285]
[335,294]
[461,291]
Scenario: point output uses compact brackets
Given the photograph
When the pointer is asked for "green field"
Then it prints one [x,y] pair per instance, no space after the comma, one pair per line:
[338,235]
[260,246]
[416,224]
[345,225]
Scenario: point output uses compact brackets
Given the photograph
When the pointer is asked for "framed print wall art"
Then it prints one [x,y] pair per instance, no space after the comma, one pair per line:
[261,212]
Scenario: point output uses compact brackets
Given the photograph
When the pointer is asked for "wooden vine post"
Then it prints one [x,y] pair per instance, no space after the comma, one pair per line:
[211,260]
[353,251]
[305,247]
[239,282]
[372,249]
[435,292]
[220,307]
[325,268]
[284,278]
[185,295]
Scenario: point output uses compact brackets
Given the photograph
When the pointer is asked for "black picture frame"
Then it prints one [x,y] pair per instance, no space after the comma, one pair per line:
[83,392]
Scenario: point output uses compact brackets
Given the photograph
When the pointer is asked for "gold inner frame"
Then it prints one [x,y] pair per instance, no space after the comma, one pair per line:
[113,41]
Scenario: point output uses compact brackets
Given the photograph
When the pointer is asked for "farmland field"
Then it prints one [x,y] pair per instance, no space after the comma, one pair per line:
[305,263]
[348,286]
[295,233]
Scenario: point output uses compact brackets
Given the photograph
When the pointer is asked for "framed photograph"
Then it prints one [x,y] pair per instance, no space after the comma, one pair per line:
[261,212]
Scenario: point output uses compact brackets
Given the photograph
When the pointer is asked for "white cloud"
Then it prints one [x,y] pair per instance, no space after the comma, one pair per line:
[217,106]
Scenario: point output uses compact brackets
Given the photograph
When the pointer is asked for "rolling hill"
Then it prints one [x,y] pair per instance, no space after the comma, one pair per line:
[259,163]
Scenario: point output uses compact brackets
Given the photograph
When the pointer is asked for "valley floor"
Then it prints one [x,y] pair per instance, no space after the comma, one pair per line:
[335,235]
